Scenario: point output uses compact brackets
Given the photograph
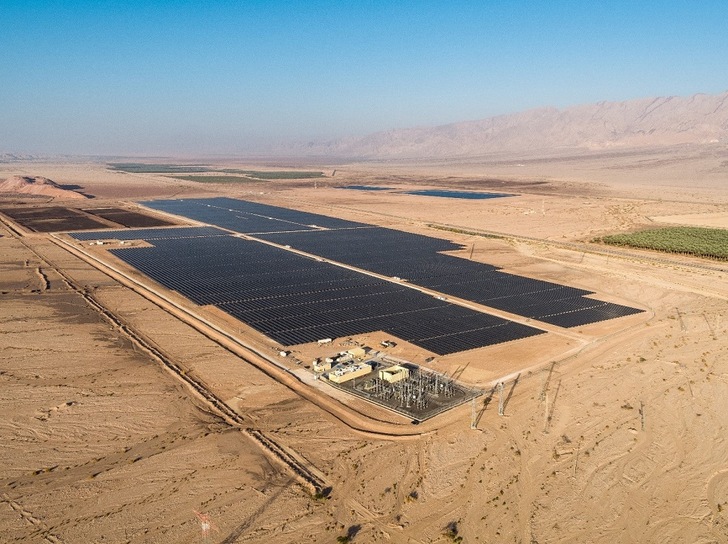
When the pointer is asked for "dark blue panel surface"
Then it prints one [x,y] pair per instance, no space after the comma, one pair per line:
[295,299]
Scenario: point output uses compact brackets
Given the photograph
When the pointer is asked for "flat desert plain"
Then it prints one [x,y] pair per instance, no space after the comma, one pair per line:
[126,421]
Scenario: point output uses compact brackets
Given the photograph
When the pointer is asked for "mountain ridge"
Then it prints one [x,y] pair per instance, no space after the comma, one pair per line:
[644,122]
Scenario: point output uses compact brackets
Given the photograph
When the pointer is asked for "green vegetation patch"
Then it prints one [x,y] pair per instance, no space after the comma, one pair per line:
[215,179]
[699,241]
[140,168]
[280,174]
[143,168]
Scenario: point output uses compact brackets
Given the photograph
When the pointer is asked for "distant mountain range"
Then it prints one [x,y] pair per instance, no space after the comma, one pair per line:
[646,122]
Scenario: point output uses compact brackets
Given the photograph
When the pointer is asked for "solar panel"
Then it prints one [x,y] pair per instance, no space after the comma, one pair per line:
[147,234]
[248,217]
[293,298]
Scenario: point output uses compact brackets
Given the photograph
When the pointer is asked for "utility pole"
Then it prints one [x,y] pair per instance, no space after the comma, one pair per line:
[501,399]
[206,525]
[546,382]
[472,415]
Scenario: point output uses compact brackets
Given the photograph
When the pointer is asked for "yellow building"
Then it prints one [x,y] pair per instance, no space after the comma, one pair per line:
[357,353]
[394,374]
[321,366]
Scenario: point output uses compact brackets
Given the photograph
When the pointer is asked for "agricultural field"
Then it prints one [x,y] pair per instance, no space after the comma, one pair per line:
[246,176]
[278,174]
[215,179]
[701,242]
[141,168]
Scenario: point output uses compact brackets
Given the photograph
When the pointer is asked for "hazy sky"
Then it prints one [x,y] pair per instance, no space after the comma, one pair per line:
[166,77]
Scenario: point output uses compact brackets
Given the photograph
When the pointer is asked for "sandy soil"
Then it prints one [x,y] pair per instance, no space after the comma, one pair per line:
[711,220]
[612,432]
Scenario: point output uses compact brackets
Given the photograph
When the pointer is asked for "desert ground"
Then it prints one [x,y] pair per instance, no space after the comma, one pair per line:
[128,421]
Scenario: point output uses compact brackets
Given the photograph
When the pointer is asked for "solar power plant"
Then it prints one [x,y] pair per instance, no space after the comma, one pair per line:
[128,218]
[148,234]
[415,258]
[36,214]
[248,217]
[53,219]
[295,299]
[383,251]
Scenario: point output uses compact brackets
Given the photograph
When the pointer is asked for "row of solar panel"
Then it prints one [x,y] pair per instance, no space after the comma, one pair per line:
[290,297]
[294,299]
[405,255]
[248,217]
[148,234]
[420,327]
[376,243]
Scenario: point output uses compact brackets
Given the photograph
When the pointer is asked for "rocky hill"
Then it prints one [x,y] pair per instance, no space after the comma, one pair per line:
[647,122]
[37,185]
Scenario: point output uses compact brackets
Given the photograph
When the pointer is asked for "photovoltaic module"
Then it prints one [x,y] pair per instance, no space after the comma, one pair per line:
[293,298]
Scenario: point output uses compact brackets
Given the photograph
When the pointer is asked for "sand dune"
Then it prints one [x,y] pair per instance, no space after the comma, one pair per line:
[37,185]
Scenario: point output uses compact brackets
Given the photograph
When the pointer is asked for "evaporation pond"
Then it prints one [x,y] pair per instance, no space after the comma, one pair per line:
[457,194]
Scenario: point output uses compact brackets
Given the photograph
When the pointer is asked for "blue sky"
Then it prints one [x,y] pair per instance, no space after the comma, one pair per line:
[174,77]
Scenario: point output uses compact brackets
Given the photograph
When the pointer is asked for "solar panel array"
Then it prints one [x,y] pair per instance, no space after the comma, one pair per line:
[128,218]
[148,234]
[248,217]
[295,299]
[415,258]
[410,256]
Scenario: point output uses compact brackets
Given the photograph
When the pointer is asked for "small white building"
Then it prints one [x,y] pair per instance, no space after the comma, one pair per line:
[343,372]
